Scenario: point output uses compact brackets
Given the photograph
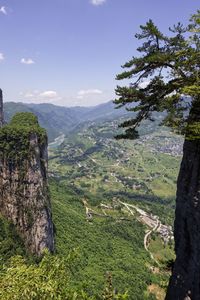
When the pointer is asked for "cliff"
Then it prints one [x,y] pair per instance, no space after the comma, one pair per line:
[24,195]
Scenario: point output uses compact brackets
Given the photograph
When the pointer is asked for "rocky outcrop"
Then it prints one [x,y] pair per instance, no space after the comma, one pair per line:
[24,194]
[185,280]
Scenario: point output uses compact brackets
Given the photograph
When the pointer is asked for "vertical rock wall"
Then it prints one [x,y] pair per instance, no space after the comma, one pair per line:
[24,195]
[185,280]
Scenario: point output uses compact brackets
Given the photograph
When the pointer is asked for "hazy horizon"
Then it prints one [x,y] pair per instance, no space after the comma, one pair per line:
[61,105]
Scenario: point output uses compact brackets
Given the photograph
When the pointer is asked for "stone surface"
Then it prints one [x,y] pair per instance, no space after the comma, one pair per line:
[24,196]
[185,279]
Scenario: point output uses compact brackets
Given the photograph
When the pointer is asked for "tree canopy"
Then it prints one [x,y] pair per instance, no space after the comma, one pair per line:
[15,136]
[165,78]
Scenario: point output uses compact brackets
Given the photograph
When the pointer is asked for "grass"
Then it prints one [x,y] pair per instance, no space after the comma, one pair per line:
[103,245]
[162,253]
[93,165]
[138,172]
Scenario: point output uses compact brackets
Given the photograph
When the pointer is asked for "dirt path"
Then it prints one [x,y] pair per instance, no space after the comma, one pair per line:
[146,240]
[90,212]
[147,235]
[132,209]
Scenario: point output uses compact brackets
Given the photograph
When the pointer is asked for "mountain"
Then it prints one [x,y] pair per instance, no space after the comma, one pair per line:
[105,111]
[59,119]
[99,189]
[55,119]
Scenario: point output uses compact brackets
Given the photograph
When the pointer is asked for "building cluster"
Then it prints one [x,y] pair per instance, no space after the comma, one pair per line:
[168,143]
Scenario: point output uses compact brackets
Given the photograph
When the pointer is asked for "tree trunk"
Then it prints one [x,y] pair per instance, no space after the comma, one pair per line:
[185,280]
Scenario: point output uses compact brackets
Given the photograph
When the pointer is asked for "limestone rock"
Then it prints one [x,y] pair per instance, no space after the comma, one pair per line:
[185,279]
[24,194]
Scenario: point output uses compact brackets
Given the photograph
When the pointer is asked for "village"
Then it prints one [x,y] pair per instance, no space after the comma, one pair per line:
[151,221]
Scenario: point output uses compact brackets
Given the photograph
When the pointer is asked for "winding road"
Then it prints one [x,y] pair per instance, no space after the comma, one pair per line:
[131,209]
[147,235]
[146,239]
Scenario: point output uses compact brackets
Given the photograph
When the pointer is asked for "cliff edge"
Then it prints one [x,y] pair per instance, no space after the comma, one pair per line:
[24,194]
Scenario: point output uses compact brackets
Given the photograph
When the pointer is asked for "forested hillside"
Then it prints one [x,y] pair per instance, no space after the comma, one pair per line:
[92,179]
[101,172]
[59,119]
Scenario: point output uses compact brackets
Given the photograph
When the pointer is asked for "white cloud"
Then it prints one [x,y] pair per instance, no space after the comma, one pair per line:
[27,61]
[85,97]
[27,95]
[82,93]
[97,2]
[1,57]
[90,97]
[3,10]
[144,84]
[36,96]
[48,94]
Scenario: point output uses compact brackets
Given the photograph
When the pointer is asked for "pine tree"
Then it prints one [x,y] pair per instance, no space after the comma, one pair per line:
[165,77]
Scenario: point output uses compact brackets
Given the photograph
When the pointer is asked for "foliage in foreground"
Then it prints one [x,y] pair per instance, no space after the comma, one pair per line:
[47,280]
[10,242]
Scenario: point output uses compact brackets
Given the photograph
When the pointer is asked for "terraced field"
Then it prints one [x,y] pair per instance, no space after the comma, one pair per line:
[101,171]
[99,167]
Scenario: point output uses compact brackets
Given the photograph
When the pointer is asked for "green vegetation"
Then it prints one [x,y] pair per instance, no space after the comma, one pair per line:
[15,137]
[143,171]
[91,168]
[57,119]
[165,77]
[91,164]
[10,242]
[162,252]
[22,119]
[104,244]
[99,246]
[47,280]
[50,279]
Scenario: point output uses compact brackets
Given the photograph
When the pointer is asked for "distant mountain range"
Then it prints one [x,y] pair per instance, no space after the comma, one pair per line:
[60,119]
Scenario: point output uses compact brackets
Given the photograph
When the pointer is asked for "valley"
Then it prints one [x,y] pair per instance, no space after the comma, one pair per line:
[92,162]
[118,184]
[113,203]
[110,210]
[100,150]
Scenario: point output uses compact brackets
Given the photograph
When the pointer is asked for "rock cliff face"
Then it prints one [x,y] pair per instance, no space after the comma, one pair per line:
[185,280]
[24,195]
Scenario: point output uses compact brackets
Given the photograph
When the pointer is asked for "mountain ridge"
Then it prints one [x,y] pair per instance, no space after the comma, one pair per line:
[63,119]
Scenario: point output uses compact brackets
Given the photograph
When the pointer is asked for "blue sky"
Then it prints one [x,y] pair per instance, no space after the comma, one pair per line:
[68,52]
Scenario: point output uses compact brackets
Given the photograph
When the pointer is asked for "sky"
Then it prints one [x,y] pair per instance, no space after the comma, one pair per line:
[68,52]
